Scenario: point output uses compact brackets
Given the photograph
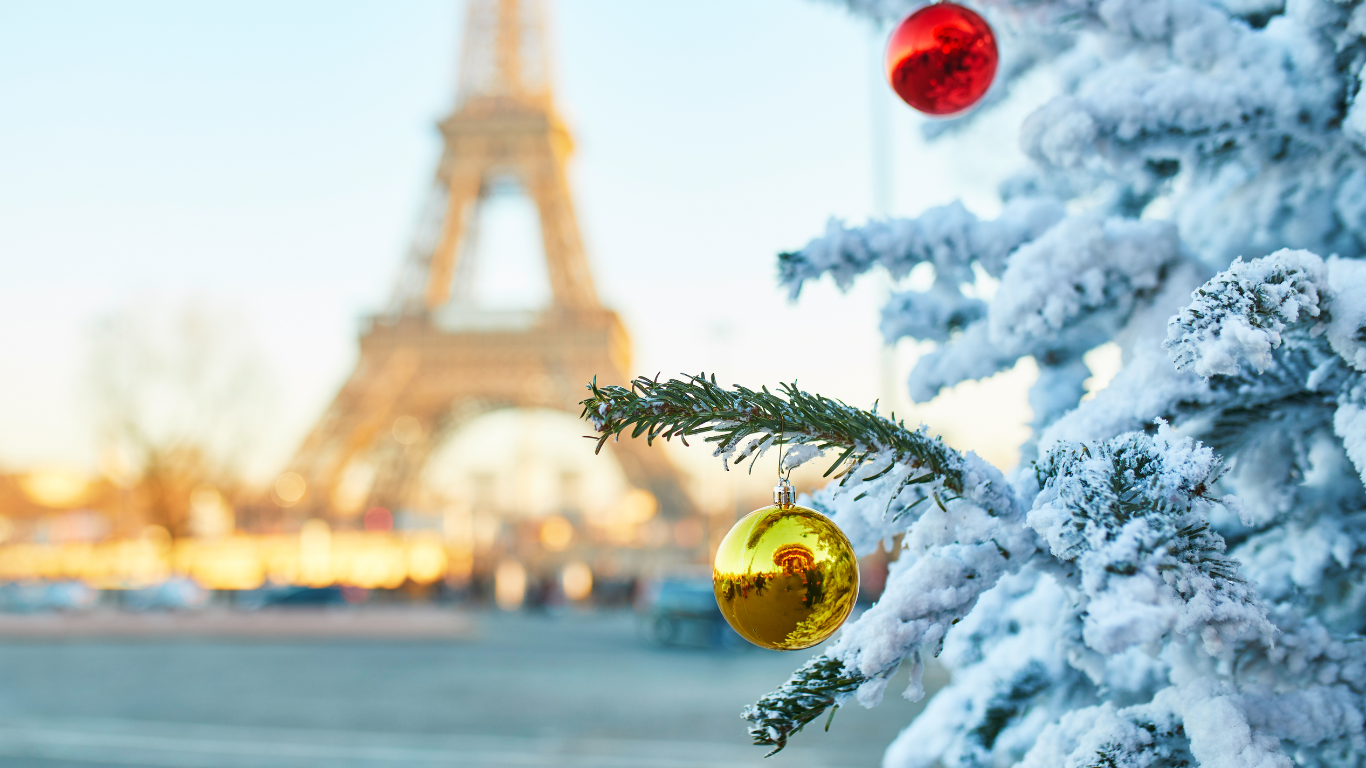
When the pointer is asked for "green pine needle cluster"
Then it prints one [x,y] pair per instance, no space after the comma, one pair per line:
[1131,485]
[813,689]
[698,405]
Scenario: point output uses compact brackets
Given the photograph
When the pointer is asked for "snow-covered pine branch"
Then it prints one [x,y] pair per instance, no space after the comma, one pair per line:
[949,238]
[1129,514]
[728,417]
[937,314]
[1075,285]
[1297,320]
[1238,316]
[969,355]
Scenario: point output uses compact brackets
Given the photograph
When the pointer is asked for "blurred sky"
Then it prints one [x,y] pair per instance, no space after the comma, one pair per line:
[268,160]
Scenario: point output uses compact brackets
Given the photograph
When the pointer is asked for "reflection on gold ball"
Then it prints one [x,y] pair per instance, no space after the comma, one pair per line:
[785,577]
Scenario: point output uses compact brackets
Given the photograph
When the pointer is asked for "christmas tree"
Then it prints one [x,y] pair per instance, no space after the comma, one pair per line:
[1174,574]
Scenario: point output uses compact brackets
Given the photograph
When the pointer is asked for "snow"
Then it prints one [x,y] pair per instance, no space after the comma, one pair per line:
[796,455]
[970,356]
[933,315]
[948,237]
[1349,422]
[1220,735]
[1078,282]
[1347,328]
[1237,318]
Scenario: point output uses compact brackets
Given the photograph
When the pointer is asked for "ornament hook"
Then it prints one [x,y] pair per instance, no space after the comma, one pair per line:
[783,476]
[783,493]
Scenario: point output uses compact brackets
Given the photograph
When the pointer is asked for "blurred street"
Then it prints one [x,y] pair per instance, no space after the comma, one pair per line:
[517,689]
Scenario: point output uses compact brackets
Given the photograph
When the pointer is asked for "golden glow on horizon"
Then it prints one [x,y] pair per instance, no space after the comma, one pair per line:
[427,559]
[54,486]
[315,553]
[316,556]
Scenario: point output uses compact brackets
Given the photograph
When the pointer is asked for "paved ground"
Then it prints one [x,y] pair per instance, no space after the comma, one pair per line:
[518,690]
[394,623]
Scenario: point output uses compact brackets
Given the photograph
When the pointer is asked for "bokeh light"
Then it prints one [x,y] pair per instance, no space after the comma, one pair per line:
[576,579]
[426,559]
[378,519]
[289,488]
[210,514]
[407,430]
[509,585]
[315,553]
[557,533]
[637,505]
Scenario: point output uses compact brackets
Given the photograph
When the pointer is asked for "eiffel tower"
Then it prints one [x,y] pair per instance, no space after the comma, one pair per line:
[434,360]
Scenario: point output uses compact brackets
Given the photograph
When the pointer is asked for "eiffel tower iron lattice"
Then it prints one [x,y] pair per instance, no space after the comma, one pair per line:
[438,360]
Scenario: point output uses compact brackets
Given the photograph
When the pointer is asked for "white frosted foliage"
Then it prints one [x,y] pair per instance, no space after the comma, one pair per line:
[1347,329]
[1083,274]
[1237,318]
[1175,575]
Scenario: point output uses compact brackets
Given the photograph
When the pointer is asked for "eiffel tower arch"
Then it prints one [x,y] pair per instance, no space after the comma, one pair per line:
[434,360]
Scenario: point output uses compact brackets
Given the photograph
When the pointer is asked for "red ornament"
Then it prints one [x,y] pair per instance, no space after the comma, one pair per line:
[942,58]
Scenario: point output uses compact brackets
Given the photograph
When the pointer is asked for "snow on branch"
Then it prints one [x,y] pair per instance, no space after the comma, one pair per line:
[970,355]
[1226,89]
[1308,689]
[956,549]
[1009,668]
[1237,318]
[1349,423]
[948,237]
[1214,724]
[1102,736]
[1064,292]
[1129,513]
[818,685]
[1145,389]
[1242,117]
[1077,283]
[1220,412]
[1347,327]
[933,315]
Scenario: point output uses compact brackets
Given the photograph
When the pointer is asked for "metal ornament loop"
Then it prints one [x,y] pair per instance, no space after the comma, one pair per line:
[784,495]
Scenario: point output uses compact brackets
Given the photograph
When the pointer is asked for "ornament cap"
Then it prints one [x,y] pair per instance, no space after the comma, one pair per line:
[783,494]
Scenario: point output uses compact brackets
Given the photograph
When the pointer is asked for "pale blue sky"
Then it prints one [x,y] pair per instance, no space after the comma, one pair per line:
[269,159]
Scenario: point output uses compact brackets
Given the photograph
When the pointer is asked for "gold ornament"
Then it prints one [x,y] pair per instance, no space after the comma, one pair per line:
[785,577]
